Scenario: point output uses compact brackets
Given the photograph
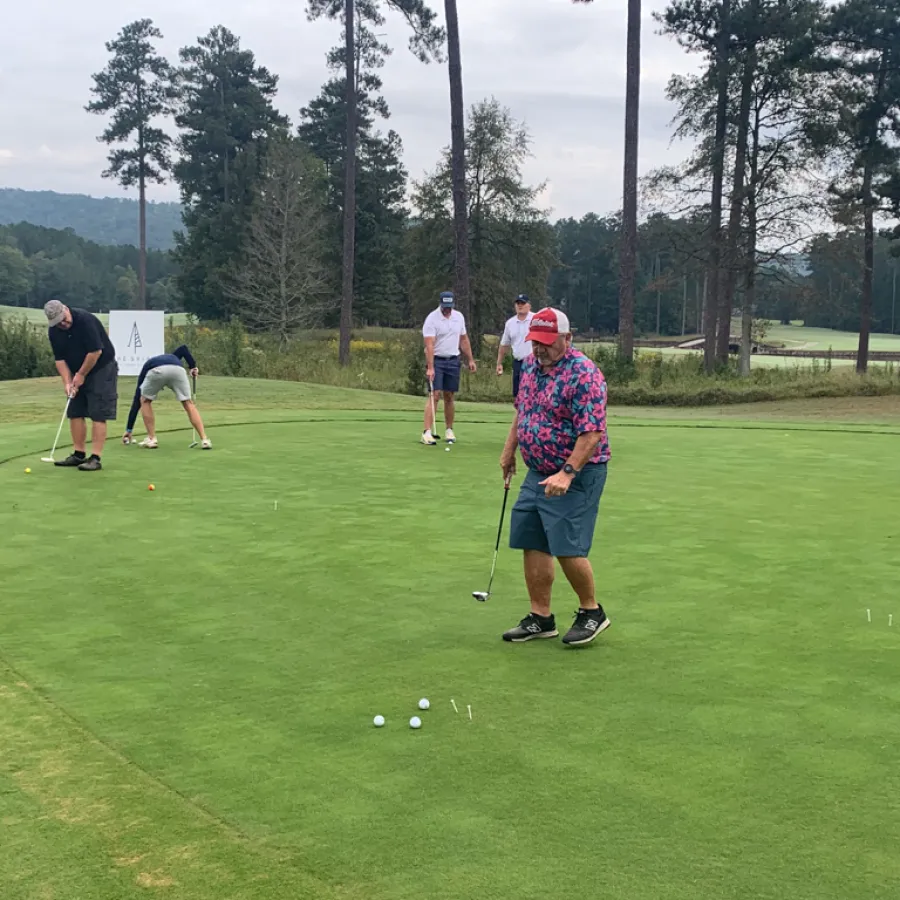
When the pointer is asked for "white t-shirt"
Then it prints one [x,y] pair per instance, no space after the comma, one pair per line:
[446,331]
[514,336]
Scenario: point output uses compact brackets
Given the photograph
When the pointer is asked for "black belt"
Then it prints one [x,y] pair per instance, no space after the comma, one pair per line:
[446,357]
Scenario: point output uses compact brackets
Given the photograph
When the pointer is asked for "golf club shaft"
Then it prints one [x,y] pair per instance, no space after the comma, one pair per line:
[499,533]
[61,421]
[433,408]
[193,398]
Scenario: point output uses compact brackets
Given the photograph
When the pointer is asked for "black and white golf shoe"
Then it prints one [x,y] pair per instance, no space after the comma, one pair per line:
[587,625]
[72,461]
[531,628]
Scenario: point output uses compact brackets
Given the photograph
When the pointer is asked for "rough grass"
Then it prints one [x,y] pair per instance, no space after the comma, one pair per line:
[393,361]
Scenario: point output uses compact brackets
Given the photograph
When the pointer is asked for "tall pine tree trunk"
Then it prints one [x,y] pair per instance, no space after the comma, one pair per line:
[732,252]
[749,286]
[718,178]
[749,304]
[227,178]
[865,301]
[628,252]
[461,285]
[349,190]
[142,228]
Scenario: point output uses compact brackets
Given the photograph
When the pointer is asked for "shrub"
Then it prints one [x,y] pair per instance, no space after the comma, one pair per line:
[24,350]
[394,361]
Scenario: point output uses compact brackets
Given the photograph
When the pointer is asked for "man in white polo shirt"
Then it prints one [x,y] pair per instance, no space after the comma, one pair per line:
[514,335]
[445,334]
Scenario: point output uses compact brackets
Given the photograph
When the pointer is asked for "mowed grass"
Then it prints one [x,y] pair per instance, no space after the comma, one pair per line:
[188,676]
[800,336]
[37,317]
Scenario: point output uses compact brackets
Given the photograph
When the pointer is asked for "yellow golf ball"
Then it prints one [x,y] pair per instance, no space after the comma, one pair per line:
[28,471]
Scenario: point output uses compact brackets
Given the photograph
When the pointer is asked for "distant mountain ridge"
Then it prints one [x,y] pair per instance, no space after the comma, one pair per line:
[106,220]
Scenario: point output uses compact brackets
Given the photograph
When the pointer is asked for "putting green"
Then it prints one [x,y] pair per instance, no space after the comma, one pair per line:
[190,675]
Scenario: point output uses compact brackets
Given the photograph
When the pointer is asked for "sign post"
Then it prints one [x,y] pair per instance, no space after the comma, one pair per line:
[136,335]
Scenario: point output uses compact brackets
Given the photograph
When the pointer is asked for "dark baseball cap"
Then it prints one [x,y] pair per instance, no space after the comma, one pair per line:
[447,299]
[522,298]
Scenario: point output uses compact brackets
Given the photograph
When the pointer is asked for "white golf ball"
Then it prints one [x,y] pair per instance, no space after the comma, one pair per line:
[379,721]
[415,722]
[424,704]
[448,449]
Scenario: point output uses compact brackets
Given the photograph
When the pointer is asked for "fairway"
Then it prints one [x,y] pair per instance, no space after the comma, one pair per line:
[188,676]
[36,316]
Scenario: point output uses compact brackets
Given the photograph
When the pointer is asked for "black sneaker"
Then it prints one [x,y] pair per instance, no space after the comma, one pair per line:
[91,464]
[531,627]
[587,625]
[70,461]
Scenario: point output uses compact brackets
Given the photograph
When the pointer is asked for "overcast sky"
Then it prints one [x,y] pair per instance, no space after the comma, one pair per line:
[559,67]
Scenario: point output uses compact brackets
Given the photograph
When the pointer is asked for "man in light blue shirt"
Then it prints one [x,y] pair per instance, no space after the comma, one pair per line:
[514,336]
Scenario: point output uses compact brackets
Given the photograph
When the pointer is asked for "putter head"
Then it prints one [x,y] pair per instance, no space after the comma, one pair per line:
[481,596]
[47,459]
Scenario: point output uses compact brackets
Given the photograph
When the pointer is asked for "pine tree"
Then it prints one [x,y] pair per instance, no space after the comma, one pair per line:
[136,87]
[227,118]
[628,251]
[425,43]
[380,183]
[462,277]
[860,124]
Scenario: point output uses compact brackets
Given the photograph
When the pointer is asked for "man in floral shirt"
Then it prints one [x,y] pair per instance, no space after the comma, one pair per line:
[560,429]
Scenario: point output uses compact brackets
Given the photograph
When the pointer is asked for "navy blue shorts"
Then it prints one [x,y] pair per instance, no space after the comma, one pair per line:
[446,374]
[560,526]
[517,374]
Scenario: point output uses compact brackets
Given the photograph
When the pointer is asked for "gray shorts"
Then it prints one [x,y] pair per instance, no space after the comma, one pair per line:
[173,377]
[560,526]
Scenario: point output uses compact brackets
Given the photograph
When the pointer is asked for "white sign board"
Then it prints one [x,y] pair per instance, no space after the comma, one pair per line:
[136,336]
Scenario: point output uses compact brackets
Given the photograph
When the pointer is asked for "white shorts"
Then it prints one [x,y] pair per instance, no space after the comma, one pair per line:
[173,377]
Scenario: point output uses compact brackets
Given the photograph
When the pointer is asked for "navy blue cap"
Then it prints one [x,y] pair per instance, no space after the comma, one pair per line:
[447,299]
[522,298]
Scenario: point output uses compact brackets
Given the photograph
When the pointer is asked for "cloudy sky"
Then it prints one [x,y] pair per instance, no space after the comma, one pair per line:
[559,67]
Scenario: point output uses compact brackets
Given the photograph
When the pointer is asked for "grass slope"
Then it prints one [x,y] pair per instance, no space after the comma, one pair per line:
[801,337]
[37,317]
[189,676]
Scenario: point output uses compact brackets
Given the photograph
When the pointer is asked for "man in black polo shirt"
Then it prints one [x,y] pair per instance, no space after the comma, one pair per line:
[86,362]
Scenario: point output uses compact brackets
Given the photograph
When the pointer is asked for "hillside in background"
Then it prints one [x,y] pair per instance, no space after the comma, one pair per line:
[104,220]
[38,264]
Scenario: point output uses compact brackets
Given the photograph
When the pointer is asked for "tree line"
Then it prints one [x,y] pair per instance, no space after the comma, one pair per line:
[38,264]
[793,115]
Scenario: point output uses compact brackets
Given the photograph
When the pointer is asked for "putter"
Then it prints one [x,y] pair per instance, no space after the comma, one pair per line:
[482,596]
[50,458]
[434,433]
[194,440]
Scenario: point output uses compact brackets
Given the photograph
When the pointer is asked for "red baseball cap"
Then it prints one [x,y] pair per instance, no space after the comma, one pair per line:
[547,325]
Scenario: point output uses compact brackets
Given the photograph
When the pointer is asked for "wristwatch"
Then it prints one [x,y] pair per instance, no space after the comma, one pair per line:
[570,470]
